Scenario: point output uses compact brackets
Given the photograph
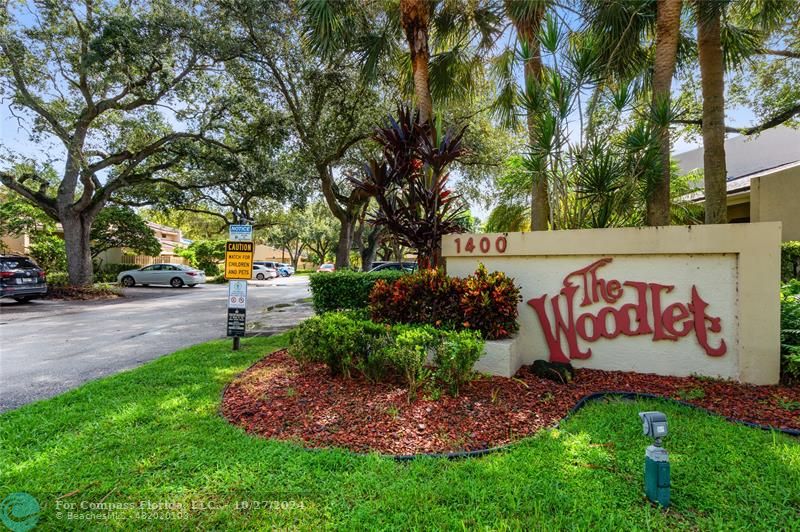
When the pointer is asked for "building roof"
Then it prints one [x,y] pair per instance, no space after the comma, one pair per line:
[747,157]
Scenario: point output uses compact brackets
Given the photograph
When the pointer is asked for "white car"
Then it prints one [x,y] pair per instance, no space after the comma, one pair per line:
[262,272]
[175,275]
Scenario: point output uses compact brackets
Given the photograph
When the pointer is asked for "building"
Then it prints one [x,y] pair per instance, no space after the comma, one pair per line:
[169,238]
[763,178]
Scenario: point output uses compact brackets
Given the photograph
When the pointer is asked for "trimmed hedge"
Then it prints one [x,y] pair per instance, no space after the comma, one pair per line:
[348,344]
[346,290]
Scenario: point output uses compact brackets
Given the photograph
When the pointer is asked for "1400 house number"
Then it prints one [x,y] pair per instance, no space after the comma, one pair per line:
[484,244]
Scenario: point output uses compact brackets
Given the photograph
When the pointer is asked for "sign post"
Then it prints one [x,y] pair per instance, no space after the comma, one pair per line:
[238,269]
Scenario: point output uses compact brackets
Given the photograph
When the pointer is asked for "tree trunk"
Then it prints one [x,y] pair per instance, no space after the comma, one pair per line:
[414,17]
[345,243]
[369,250]
[528,32]
[712,74]
[79,257]
[668,22]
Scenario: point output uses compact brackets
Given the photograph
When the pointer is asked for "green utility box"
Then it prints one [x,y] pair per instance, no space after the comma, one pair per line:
[656,475]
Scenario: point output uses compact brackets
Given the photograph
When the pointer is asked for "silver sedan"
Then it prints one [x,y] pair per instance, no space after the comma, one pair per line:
[175,275]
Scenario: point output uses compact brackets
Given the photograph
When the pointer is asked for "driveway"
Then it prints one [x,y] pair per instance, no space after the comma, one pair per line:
[48,347]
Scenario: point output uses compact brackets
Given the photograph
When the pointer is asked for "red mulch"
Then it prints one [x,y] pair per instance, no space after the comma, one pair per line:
[276,399]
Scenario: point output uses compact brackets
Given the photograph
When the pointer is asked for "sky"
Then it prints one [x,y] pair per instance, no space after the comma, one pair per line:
[14,137]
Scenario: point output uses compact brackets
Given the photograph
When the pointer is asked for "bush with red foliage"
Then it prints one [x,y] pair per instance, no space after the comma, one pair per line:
[489,303]
[485,302]
[428,296]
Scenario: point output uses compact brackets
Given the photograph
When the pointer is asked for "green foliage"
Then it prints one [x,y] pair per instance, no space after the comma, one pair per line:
[409,352]
[346,290]
[790,331]
[57,279]
[121,227]
[49,252]
[455,356]
[341,341]
[790,260]
[18,217]
[347,343]
[204,254]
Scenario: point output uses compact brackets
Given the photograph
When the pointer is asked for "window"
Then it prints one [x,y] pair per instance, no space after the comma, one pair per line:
[16,263]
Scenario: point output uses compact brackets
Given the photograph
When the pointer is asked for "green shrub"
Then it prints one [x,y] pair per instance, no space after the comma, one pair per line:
[790,332]
[455,355]
[344,344]
[49,252]
[790,260]
[345,290]
[57,279]
[347,344]
[408,353]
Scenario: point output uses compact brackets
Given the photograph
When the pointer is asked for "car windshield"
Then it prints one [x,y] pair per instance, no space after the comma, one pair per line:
[16,263]
[183,267]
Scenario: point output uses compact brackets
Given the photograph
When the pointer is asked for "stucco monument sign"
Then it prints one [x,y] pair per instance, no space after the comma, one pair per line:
[667,300]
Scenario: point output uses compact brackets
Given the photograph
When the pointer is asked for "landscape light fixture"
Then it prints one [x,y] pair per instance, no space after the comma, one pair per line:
[656,459]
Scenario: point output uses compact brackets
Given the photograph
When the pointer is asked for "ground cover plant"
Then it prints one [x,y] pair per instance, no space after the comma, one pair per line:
[154,434]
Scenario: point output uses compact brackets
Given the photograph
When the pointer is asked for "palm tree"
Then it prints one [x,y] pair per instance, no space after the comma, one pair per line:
[527,17]
[712,72]
[668,22]
[443,39]
[720,45]
[415,19]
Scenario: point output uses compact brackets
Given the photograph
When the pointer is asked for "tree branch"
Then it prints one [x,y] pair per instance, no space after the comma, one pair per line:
[782,53]
[775,120]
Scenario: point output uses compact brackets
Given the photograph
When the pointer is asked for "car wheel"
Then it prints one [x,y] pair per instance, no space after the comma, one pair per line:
[128,281]
[22,299]
[260,276]
[176,282]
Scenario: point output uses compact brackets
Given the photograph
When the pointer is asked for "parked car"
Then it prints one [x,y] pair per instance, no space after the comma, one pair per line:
[285,270]
[175,275]
[261,272]
[326,268]
[387,266]
[268,263]
[21,279]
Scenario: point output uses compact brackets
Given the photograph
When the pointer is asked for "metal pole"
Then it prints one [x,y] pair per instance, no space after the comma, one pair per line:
[235,343]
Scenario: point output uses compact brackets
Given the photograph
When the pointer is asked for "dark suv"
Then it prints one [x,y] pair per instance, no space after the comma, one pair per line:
[21,278]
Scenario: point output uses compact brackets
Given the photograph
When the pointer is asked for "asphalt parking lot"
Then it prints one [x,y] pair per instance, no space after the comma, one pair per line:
[48,346]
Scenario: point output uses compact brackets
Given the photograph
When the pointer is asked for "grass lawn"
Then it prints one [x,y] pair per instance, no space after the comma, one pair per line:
[153,434]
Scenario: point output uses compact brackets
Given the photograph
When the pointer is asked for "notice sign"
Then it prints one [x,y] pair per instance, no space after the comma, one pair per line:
[238,260]
[240,233]
[237,294]
[236,321]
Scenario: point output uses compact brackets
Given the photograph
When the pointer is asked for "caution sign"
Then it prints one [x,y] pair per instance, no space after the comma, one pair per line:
[238,260]
[236,321]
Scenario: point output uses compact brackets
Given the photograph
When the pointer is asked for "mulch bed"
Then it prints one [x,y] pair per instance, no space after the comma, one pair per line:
[276,399]
[81,293]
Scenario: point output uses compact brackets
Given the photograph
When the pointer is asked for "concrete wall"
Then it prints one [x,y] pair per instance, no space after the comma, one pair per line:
[709,306]
[776,197]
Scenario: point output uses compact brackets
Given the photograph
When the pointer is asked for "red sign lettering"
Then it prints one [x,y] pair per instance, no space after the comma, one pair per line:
[585,287]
